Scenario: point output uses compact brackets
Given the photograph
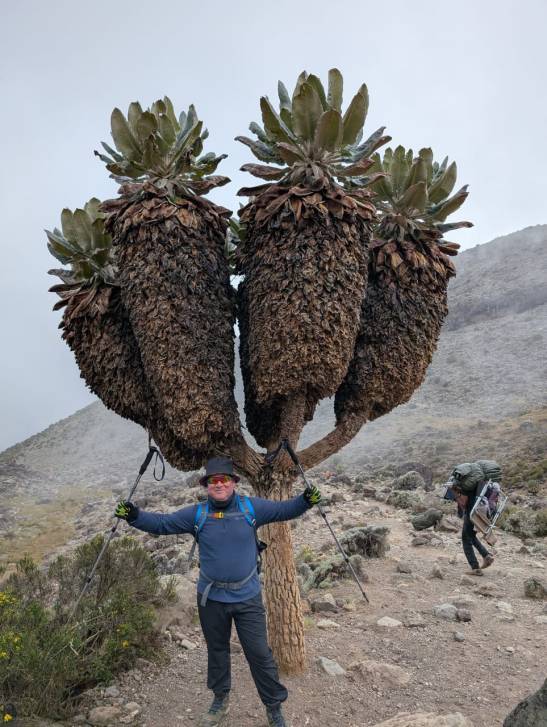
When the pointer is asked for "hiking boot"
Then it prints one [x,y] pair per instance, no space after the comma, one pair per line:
[217,711]
[475,572]
[487,561]
[275,717]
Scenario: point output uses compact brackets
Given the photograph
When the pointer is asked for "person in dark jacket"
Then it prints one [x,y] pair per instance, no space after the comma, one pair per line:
[229,588]
[470,541]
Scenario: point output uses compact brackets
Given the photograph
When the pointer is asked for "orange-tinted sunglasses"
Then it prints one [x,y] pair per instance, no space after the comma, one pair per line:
[219,479]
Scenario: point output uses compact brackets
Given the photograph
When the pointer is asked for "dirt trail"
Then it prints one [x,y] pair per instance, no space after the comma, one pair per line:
[501,659]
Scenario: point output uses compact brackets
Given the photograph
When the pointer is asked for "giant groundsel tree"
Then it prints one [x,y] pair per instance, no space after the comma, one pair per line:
[343,275]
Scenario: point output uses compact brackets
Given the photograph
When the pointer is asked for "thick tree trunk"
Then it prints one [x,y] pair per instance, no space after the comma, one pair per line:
[281,592]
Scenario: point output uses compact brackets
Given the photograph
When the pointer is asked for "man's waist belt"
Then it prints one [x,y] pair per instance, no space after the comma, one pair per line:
[226,585]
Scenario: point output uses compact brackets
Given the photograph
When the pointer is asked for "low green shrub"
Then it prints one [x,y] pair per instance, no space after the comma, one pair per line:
[47,660]
[524,522]
[306,554]
[541,523]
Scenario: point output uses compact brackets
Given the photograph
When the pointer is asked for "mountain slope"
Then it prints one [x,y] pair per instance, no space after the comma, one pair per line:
[485,394]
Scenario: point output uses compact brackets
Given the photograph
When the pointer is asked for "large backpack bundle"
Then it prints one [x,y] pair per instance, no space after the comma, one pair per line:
[470,475]
[491,469]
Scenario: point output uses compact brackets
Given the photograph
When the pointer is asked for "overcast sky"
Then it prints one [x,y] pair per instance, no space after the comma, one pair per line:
[466,78]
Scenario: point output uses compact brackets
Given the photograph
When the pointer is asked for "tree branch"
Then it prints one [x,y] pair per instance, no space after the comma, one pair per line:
[341,435]
[246,460]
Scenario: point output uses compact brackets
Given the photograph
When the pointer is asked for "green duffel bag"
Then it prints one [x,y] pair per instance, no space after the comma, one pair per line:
[467,476]
[491,469]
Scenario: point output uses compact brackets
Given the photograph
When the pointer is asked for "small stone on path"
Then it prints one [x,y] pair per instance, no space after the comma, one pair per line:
[404,567]
[504,606]
[446,610]
[388,622]
[330,667]
[463,614]
[413,620]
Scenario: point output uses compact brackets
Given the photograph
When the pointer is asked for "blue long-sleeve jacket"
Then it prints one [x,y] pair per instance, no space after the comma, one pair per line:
[227,546]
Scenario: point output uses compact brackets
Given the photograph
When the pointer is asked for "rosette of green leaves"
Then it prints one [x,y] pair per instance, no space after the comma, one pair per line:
[310,138]
[419,189]
[83,244]
[157,145]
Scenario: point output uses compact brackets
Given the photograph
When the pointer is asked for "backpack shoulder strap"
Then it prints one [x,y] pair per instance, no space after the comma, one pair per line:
[199,521]
[200,518]
[246,507]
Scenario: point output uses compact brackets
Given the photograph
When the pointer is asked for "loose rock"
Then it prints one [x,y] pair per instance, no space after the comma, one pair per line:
[330,667]
[446,610]
[388,622]
[404,567]
[463,614]
[325,602]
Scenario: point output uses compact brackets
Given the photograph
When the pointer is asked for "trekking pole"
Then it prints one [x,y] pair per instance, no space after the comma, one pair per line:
[292,454]
[144,466]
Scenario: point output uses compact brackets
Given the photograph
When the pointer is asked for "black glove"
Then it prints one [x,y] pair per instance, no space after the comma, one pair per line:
[312,495]
[126,511]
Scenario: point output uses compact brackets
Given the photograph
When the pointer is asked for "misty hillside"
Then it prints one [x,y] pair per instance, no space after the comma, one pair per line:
[485,390]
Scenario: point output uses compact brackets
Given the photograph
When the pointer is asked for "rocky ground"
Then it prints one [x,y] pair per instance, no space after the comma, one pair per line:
[432,640]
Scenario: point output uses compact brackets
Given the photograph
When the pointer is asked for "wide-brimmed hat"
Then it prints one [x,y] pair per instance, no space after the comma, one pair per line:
[219,466]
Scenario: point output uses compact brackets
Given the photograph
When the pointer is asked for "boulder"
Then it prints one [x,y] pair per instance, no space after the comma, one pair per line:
[325,602]
[531,712]
[428,519]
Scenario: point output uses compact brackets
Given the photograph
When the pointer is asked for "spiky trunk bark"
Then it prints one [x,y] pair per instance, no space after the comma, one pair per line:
[402,315]
[175,284]
[281,591]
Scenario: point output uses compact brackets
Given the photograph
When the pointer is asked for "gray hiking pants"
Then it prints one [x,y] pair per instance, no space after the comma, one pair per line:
[249,618]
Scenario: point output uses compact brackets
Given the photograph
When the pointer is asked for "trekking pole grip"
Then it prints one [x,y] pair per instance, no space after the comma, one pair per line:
[147,460]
